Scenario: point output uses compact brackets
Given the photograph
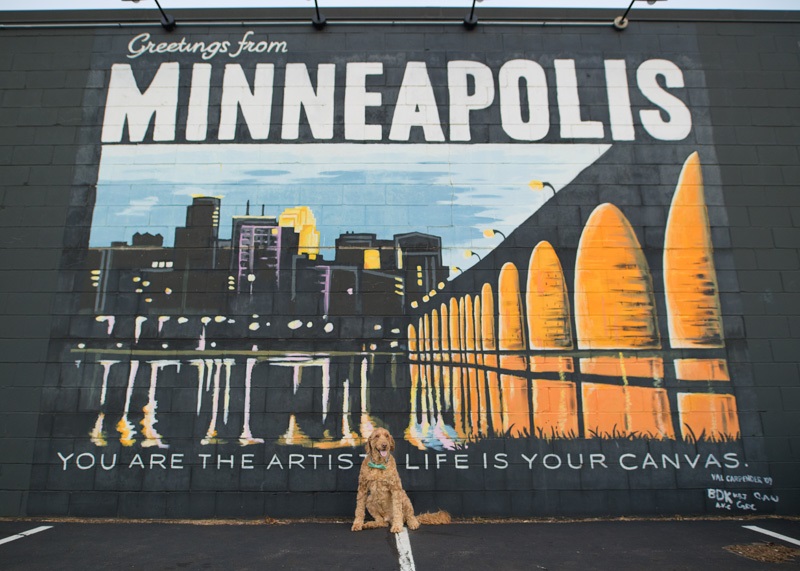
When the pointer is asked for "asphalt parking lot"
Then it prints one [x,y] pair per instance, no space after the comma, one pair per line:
[613,544]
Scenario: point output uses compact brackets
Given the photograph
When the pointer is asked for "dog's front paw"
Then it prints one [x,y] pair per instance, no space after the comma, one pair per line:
[413,524]
[357,526]
[396,528]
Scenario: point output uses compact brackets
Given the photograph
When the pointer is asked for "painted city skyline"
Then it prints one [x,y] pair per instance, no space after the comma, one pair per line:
[525,355]
[452,191]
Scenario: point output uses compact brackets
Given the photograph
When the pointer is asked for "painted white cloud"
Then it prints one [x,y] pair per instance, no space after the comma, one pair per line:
[139,207]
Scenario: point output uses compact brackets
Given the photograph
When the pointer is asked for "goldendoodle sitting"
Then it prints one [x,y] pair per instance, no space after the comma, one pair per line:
[381,492]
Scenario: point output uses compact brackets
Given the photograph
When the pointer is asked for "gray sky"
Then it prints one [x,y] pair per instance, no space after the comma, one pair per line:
[11,5]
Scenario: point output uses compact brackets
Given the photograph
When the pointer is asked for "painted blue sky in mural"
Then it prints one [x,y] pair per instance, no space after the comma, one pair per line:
[452,191]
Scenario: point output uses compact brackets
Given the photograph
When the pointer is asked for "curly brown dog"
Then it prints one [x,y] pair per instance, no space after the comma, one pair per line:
[381,492]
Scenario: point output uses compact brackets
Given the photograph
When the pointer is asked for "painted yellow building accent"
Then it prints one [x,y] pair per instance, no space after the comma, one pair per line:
[487,331]
[708,417]
[702,369]
[511,329]
[301,218]
[436,342]
[471,388]
[444,340]
[547,301]
[436,350]
[294,435]
[413,346]
[455,356]
[554,403]
[445,355]
[614,411]
[489,340]
[624,366]
[614,302]
[97,436]
[548,312]
[425,376]
[515,398]
[694,315]
[412,342]
[372,260]
[555,409]
[126,432]
[483,417]
[455,335]
[148,422]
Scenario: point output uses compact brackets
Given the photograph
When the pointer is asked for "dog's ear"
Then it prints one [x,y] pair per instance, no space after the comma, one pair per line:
[391,443]
[368,445]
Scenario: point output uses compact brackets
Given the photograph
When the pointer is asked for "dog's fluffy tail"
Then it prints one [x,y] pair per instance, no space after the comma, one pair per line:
[436,518]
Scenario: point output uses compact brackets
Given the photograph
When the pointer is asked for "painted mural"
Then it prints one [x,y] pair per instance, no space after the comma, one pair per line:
[242,300]
[501,360]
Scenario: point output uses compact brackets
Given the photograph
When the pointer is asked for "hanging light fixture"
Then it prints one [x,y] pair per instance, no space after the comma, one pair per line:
[471,20]
[167,21]
[621,22]
[318,20]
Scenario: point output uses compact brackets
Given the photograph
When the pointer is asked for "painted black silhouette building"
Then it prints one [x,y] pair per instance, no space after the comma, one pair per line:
[261,269]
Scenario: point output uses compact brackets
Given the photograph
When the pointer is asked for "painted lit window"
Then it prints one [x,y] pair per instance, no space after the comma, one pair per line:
[419,275]
[372,260]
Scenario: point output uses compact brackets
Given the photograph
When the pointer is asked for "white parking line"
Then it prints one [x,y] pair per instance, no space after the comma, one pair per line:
[772,534]
[404,556]
[11,538]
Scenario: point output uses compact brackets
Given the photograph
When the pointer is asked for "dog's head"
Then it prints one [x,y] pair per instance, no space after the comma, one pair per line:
[379,444]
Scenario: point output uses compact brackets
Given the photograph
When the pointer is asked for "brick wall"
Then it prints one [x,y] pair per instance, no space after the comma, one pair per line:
[752,72]
[465,416]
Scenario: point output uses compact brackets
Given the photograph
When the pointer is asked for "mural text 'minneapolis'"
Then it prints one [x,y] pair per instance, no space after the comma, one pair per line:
[535,100]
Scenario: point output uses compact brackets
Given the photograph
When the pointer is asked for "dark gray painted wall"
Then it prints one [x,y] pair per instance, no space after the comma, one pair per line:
[752,76]
[43,80]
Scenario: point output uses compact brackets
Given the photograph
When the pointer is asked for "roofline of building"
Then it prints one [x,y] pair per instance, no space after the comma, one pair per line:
[273,16]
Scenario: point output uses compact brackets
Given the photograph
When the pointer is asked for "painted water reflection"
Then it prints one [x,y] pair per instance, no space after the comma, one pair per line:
[294,398]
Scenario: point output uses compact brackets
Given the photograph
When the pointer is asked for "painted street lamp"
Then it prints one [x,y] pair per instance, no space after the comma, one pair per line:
[491,232]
